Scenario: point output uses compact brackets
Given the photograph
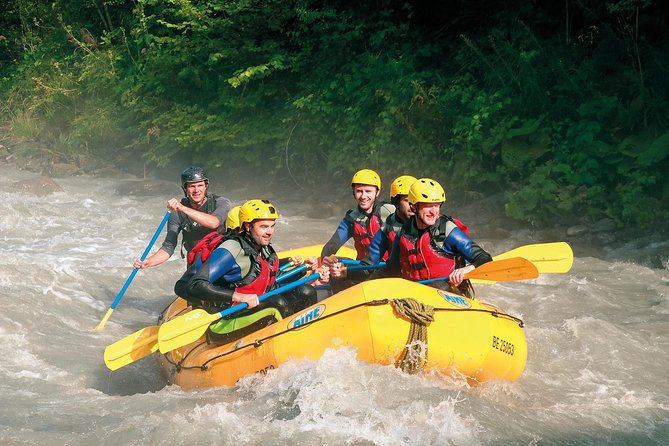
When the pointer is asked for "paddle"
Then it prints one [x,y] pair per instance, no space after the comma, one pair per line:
[189,327]
[102,323]
[556,257]
[363,267]
[145,341]
[506,270]
[291,273]
[131,348]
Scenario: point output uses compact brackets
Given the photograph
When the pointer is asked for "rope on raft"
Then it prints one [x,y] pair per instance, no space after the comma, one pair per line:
[413,358]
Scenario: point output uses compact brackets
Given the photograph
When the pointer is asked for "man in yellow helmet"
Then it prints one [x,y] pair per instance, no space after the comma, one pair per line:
[433,245]
[240,269]
[379,248]
[361,223]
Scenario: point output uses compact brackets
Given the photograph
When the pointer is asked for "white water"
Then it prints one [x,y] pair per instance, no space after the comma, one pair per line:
[597,372]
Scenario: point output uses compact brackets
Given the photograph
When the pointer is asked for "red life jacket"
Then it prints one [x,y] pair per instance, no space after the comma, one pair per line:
[364,228]
[391,239]
[421,256]
[205,247]
[264,268]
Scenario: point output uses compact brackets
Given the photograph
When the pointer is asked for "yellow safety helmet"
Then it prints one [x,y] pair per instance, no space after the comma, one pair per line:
[401,185]
[232,221]
[368,177]
[426,190]
[257,210]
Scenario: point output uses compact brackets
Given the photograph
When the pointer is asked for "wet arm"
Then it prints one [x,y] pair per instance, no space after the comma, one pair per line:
[171,238]
[458,242]
[342,234]
[220,265]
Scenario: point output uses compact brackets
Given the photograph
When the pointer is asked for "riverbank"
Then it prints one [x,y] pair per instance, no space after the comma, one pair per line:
[485,215]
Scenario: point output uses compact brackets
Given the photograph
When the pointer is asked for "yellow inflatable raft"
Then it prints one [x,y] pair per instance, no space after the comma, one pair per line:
[378,318]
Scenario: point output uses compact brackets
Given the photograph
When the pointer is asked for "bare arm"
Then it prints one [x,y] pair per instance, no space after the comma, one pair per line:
[155,259]
[207,220]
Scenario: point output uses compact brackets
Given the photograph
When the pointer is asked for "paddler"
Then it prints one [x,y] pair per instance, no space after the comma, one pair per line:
[431,244]
[361,223]
[203,249]
[379,248]
[240,269]
[195,215]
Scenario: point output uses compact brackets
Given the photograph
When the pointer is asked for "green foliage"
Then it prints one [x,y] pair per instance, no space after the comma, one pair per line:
[571,124]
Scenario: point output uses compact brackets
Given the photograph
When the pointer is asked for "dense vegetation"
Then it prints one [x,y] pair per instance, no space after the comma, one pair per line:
[563,106]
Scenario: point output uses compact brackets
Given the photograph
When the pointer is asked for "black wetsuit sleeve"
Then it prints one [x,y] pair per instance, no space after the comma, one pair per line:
[199,287]
[222,266]
[181,287]
[479,255]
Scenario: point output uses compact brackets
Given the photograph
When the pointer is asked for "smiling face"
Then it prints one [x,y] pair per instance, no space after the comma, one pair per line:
[261,231]
[365,196]
[427,214]
[196,192]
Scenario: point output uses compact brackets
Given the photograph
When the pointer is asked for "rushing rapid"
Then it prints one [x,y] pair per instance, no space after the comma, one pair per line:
[597,338]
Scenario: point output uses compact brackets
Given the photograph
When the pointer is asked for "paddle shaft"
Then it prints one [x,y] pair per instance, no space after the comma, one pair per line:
[274,292]
[141,259]
[132,275]
[291,273]
[364,267]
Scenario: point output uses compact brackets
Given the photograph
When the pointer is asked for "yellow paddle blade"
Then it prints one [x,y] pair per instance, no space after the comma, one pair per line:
[131,348]
[184,329]
[104,320]
[507,270]
[554,257]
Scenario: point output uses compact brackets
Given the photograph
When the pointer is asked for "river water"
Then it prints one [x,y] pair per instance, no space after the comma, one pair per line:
[598,339]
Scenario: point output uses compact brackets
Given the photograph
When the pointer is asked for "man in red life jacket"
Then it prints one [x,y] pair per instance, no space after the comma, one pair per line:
[194,216]
[240,269]
[432,245]
[360,223]
[379,248]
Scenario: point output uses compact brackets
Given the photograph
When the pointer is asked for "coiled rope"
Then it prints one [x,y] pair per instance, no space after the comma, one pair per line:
[414,356]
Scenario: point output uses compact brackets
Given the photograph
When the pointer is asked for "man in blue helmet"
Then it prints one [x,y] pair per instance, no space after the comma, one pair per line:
[195,215]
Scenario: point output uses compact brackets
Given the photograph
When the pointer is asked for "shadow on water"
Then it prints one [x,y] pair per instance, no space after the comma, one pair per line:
[143,376]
